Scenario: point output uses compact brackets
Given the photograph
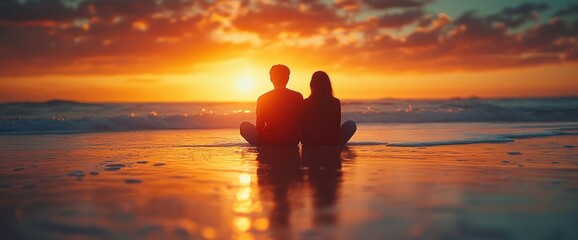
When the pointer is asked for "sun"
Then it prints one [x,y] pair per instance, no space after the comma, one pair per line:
[245,84]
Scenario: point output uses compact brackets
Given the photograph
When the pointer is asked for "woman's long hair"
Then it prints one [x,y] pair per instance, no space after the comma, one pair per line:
[321,86]
[321,94]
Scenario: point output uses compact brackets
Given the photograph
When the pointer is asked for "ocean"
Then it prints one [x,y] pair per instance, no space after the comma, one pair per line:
[415,169]
[486,120]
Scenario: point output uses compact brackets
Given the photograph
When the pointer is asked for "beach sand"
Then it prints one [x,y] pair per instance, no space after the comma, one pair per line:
[206,184]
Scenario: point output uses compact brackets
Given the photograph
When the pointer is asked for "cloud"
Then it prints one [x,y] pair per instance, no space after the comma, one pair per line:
[400,19]
[45,10]
[381,4]
[469,42]
[305,19]
[570,11]
[173,36]
[133,36]
[516,16]
[348,5]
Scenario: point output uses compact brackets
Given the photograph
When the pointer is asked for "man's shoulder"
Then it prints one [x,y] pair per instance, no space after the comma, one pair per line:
[295,93]
[266,95]
[334,100]
[282,92]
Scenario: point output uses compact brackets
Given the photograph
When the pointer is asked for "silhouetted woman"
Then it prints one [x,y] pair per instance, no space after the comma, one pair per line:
[321,124]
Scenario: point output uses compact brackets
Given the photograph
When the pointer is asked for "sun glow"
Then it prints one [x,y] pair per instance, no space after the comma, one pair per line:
[245,84]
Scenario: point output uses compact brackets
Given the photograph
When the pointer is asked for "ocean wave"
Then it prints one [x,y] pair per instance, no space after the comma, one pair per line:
[122,123]
[212,121]
[74,117]
[489,138]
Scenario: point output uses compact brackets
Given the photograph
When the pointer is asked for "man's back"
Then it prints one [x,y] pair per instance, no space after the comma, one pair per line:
[278,117]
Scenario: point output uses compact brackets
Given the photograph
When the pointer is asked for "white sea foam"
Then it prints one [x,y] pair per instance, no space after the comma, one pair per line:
[482,137]
[450,142]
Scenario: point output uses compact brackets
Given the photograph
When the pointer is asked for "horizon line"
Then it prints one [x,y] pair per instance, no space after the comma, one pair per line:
[54,100]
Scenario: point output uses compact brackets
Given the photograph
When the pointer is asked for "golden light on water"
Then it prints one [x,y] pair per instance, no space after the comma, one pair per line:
[244,204]
[209,233]
[244,194]
[242,224]
[245,179]
[245,236]
[261,224]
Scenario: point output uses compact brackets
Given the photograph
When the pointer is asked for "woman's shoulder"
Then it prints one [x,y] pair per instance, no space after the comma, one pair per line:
[333,100]
[336,101]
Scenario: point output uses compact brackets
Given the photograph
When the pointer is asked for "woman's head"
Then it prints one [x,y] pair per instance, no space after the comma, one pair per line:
[321,85]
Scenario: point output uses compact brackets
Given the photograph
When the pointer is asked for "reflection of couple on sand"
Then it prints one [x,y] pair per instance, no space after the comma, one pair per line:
[284,118]
[287,178]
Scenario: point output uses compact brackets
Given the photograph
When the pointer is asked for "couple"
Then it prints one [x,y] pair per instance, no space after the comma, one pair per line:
[284,118]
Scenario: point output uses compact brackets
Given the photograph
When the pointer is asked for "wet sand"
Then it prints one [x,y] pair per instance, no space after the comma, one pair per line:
[181,185]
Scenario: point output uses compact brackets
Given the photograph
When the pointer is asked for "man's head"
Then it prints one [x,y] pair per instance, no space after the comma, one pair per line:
[279,75]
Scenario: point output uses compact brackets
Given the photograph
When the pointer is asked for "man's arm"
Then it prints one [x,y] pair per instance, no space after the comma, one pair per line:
[260,123]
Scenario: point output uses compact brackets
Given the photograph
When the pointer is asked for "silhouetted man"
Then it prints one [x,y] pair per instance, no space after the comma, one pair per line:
[278,113]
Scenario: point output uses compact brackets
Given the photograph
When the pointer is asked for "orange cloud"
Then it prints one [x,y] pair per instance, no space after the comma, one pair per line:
[124,37]
[140,25]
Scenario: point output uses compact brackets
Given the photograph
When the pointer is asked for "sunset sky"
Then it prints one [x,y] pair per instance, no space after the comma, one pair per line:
[201,50]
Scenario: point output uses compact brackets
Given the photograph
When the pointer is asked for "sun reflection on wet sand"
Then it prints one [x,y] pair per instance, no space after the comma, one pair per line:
[261,224]
[244,203]
[246,208]
[245,179]
[242,224]
[209,233]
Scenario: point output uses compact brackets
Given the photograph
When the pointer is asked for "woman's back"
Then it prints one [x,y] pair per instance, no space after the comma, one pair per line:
[321,122]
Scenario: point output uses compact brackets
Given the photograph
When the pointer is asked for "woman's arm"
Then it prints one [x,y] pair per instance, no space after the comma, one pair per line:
[338,111]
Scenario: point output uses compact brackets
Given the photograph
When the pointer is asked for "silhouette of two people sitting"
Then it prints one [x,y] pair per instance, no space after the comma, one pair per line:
[284,118]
